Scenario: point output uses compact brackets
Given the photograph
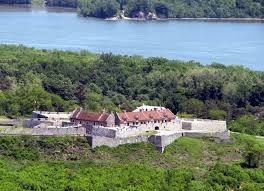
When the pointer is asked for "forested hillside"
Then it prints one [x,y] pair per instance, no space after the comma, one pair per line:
[189,164]
[62,3]
[175,8]
[32,79]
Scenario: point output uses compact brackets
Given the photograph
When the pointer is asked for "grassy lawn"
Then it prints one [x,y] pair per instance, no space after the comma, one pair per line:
[4,118]
[244,136]
[260,139]
[4,127]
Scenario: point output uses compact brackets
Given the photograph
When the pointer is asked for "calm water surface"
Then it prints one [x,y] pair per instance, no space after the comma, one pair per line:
[224,42]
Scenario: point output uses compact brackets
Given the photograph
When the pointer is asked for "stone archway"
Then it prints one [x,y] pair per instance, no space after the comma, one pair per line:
[156,128]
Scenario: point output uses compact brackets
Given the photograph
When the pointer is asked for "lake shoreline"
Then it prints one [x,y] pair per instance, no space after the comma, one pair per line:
[68,9]
[232,43]
[190,19]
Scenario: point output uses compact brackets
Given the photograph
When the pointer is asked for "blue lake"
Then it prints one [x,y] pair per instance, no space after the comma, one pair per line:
[229,43]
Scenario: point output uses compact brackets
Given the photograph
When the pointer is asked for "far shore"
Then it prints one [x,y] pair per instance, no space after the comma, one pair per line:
[249,19]
[15,7]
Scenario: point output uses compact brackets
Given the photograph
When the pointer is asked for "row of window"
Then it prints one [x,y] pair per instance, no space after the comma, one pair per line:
[144,122]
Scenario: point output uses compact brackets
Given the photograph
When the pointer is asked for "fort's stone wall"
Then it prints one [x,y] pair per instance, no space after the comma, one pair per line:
[59,131]
[96,141]
[127,131]
[103,132]
[204,125]
[43,122]
[161,141]
[225,135]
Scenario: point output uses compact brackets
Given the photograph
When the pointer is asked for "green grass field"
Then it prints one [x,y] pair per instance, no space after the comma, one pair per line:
[68,163]
[4,118]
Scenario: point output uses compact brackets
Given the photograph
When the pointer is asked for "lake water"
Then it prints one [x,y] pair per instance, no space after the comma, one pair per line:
[224,42]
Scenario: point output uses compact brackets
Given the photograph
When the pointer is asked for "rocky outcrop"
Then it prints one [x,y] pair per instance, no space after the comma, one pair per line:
[145,16]
[135,16]
[151,16]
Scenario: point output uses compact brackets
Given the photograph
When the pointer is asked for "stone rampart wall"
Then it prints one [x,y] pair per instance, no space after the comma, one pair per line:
[161,141]
[103,132]
[96,141]
[34,122]
[221,135]
[59,131]
[204,125]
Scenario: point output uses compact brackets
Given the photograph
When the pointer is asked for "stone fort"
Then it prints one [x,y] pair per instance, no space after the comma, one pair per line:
[154,124]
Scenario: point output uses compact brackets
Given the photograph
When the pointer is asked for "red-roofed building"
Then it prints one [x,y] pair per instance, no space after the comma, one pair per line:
[126,123]
[93,118]
[157,119]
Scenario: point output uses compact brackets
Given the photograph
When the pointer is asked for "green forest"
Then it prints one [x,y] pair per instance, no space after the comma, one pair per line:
[162,8]
[34,79]
[189,164]
[174,8]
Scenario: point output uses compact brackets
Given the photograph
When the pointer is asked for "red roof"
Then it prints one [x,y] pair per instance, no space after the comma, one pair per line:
[145,115]
[79,114]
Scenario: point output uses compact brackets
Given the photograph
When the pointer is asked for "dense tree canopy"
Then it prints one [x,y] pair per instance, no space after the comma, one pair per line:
[248,124]
[98,8]
[62,3]
[188,164]
[185,8]
[60,80]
